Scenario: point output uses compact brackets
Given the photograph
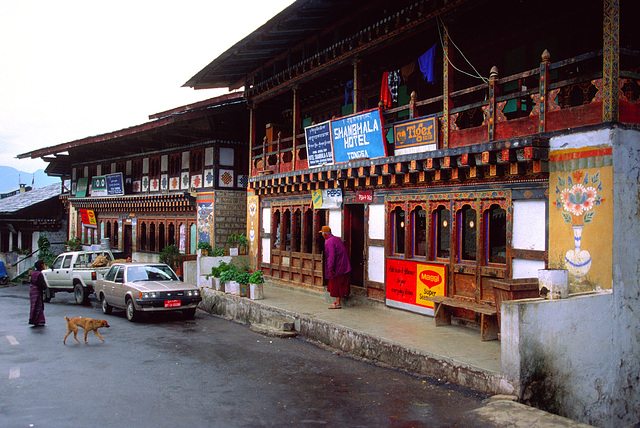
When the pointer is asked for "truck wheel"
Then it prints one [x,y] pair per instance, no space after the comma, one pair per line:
[4,280]
[82,297]
[48,295]
[106,308]
[132,313]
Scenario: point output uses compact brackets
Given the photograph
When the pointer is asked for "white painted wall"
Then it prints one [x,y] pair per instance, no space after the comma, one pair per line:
[266,220]
[560,352]
[624,407]
[529,233]
[335,222]
[376,261]
[376,221]
[376,264]
[529,223]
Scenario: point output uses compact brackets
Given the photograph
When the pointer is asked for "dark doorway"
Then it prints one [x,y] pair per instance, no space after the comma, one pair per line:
[354,240]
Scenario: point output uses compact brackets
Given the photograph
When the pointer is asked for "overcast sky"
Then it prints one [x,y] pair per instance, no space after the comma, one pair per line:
[73,69]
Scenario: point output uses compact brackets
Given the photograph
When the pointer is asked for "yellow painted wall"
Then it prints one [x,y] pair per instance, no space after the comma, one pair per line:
[582,197]
[253,224]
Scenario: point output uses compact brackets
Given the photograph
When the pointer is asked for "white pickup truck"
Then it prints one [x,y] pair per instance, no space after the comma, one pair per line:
[75,272]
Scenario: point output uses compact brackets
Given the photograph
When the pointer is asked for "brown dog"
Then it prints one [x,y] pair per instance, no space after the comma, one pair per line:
[88,324]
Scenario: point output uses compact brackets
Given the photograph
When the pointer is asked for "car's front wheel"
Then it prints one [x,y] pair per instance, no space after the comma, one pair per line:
[106,307]
[189,313]
[132,313]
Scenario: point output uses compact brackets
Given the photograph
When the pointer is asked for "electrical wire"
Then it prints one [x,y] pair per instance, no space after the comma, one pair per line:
[477,75]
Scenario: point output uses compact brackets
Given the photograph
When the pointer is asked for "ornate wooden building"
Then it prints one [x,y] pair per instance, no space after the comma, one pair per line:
[467,94]
[160,183]
[449,144]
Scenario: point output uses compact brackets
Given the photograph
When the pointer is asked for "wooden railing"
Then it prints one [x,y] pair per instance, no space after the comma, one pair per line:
[552,97]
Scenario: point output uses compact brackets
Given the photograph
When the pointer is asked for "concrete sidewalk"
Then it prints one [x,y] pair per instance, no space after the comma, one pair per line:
[387,336]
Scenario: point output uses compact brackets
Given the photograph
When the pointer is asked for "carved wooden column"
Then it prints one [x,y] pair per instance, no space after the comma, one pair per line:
[296,123]
[544,82]
[252,136]
[611,61]
[491,119]
[357,80]
[446,68]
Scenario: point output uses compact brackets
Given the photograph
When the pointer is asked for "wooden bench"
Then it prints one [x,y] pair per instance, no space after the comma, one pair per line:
[489,327]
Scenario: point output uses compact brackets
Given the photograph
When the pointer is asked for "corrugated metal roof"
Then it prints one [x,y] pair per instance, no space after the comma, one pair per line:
[24,200]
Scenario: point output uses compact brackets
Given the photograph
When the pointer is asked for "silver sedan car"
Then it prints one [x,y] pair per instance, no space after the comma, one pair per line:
[145,287]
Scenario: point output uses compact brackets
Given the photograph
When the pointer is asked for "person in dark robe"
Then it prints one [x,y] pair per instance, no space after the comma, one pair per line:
[36,295]
[337,267]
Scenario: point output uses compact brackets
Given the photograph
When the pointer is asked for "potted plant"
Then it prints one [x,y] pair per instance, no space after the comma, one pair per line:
[74,244]
[256,279]
[216,273]
[229,277]
[238,241]
[218,252]
[205,248]
[243,279]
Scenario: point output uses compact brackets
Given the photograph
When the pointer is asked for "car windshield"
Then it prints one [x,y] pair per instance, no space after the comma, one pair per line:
[150,273]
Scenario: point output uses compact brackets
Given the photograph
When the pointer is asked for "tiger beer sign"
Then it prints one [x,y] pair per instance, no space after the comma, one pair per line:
[410,284]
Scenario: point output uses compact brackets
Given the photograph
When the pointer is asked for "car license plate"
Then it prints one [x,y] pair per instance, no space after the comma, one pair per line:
[171,303]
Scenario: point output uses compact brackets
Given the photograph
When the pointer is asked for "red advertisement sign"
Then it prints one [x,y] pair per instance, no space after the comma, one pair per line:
[88,218]
[409,284]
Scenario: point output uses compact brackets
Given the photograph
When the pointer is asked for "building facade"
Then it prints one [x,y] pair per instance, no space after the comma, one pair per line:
[179,179]
[448,144]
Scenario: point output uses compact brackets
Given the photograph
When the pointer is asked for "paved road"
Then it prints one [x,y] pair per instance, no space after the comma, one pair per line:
[167,371]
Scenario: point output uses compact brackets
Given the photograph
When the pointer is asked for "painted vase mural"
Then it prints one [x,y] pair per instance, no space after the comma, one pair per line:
[578,195]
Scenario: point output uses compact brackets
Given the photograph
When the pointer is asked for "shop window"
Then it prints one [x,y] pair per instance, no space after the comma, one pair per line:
[154,167]
[115,234]
[495,223]
[4,241]
[136,169]
[308,231]
[105,168]
[26,238]
[193,234]
[297,231]
[286,230]
[398,222]
[171,235]
[467,227]
[161,237]
[321,220]
[275,230]
[419,220]
[143,236]
[196,161]
[442,232]
[107,231]
[175,164]
[152,237]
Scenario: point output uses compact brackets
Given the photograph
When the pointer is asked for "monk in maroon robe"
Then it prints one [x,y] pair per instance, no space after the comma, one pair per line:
[337,267]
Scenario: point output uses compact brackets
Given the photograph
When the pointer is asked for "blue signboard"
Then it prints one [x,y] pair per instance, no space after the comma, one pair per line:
[360,136]
[418,135]
[319,149]
[114,184]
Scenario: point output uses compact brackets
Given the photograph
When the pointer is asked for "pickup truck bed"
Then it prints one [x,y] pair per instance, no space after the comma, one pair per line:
[76,272]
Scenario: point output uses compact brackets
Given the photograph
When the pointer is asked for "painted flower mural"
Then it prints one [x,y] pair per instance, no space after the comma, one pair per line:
[578,195]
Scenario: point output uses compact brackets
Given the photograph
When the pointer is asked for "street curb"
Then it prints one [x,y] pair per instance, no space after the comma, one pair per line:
[355,343]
